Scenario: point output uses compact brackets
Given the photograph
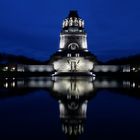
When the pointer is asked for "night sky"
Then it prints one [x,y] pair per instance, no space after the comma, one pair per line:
[31,27]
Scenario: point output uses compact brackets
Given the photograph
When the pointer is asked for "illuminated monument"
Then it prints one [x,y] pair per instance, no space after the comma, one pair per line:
[73,56]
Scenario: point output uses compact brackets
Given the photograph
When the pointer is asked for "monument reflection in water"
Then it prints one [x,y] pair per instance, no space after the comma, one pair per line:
[72,94]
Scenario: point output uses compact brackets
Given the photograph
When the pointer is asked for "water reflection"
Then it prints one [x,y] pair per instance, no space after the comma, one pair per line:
[72,94]
[75,85]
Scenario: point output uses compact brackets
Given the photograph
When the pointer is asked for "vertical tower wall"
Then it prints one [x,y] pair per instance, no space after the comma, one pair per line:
[66,39]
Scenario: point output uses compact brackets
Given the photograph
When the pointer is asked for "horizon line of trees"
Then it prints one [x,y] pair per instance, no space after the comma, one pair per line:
[19,59]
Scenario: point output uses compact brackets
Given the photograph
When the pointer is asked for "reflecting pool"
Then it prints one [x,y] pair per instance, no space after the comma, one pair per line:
[69,108]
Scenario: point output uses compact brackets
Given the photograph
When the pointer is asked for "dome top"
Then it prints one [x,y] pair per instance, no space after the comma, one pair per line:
[73,13]
[73,21]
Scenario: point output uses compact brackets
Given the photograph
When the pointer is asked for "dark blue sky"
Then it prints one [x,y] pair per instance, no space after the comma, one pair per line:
[32,27]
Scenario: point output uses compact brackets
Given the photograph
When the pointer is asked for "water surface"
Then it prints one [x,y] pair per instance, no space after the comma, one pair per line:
[69,108]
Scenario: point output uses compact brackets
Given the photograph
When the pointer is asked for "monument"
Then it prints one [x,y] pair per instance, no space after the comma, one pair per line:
[73,57]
